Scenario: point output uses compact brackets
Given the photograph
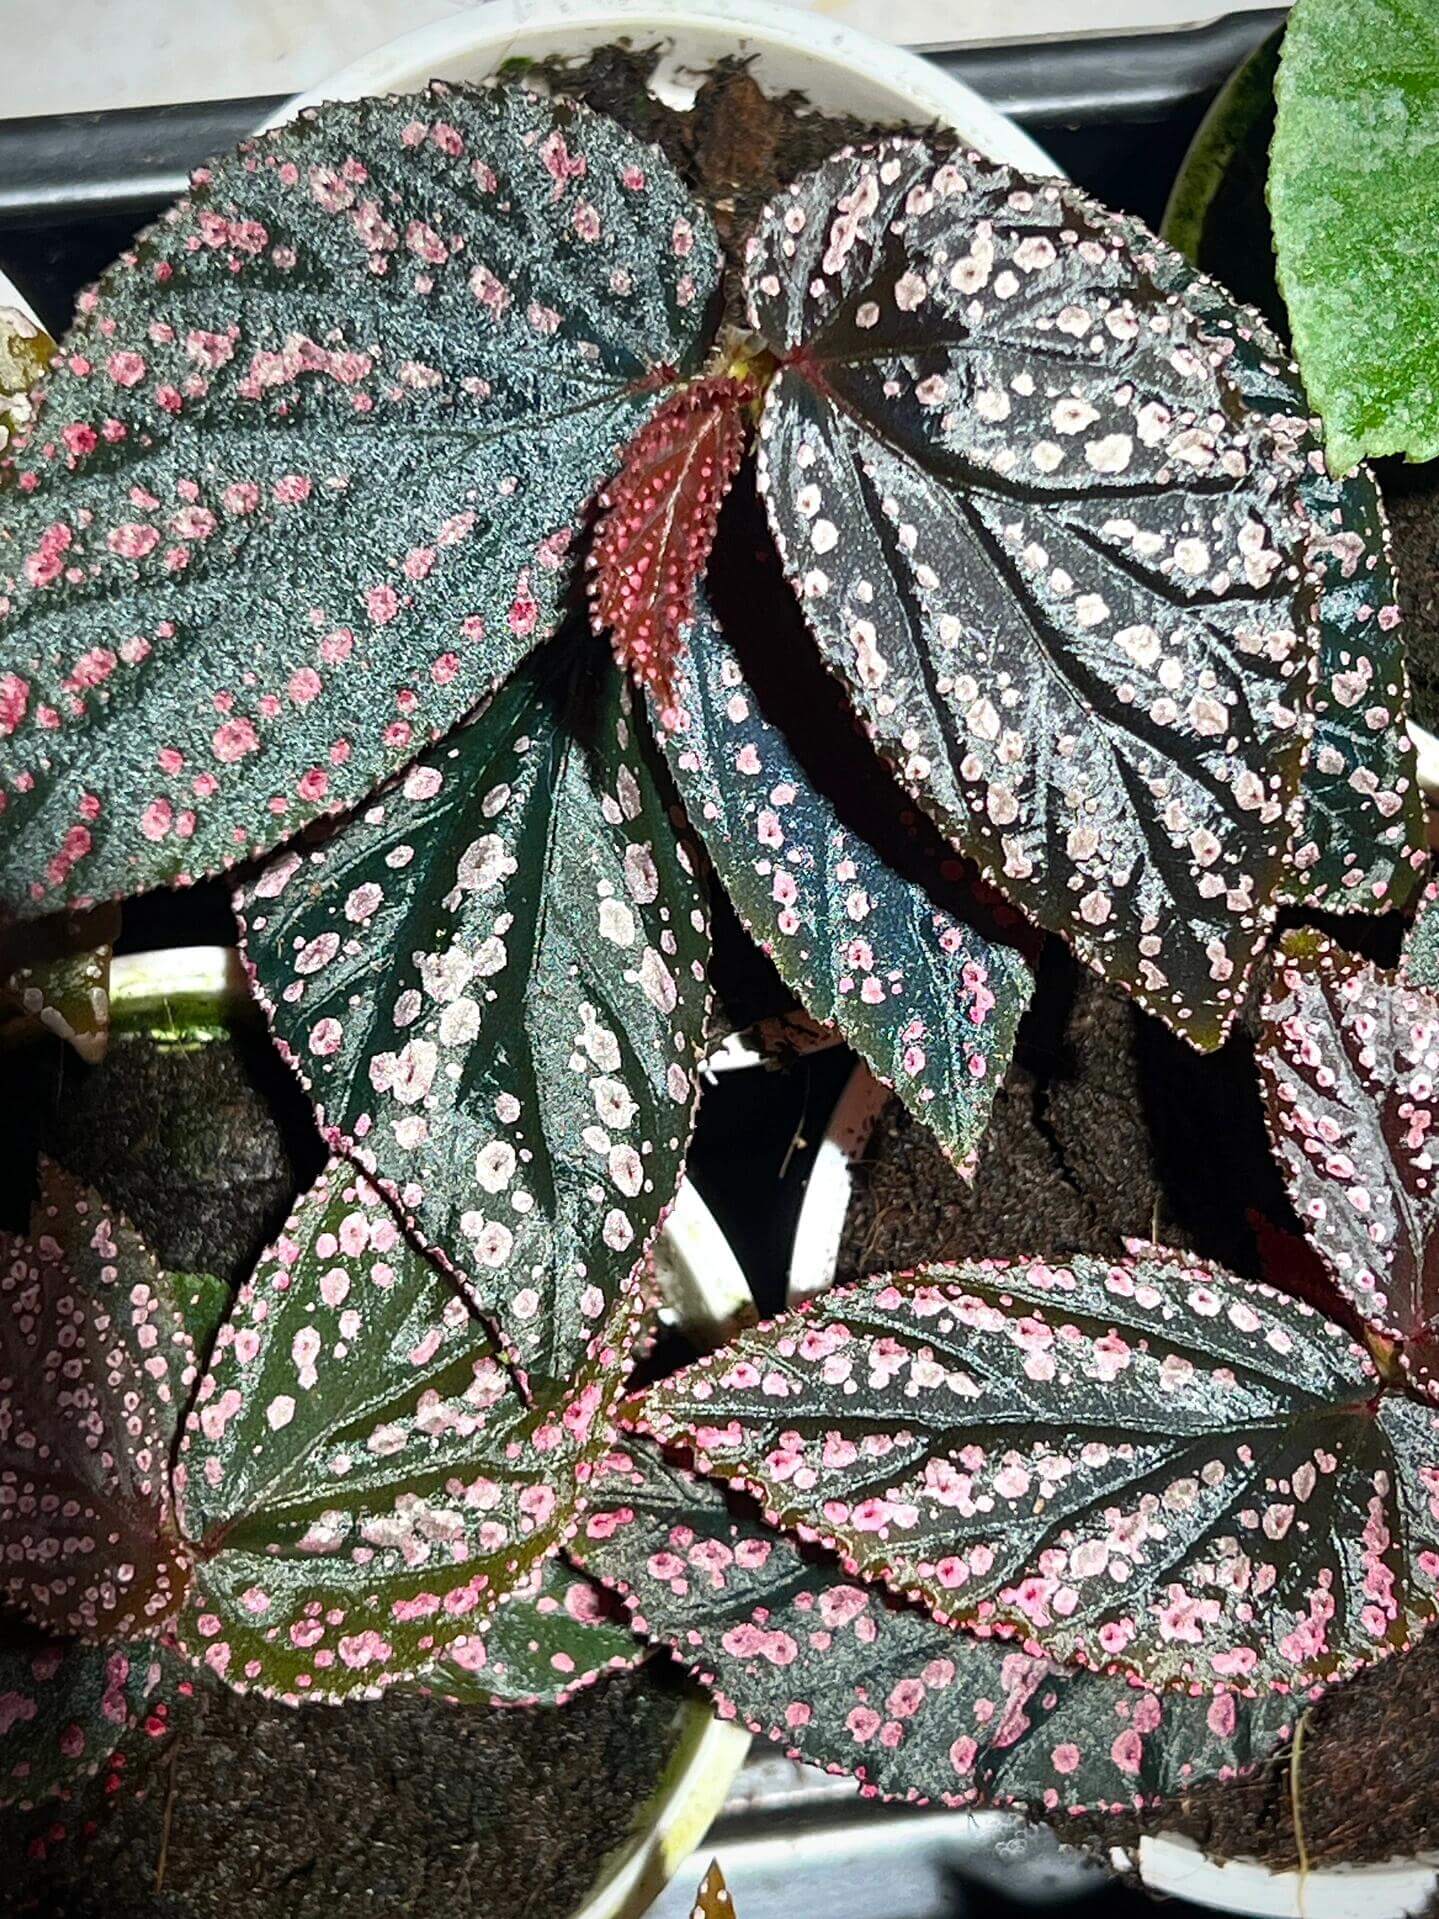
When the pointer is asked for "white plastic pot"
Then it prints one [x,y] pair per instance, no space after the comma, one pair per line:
[838,71]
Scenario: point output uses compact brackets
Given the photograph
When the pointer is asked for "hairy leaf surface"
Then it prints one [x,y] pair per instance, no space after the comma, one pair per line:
[1059,566]
[541,1648]
[1352,179]
[64,1708]
[307,471]
[658,522]
[1350,1059]
[1419,958]
[95,1373]
[493,983]
[847,1677]
[359,1480]
[928,1001]
[1361,820]
[1146,1466]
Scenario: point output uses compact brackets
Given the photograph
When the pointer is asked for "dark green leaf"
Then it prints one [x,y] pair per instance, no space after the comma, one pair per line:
[845,1677]
[308,469]
[64,1708]
[1146,1466]
[1058,565]
[1361,822]
[95,1374]
[493,981]
[541,1649]
[1350,1058]
[55,978]
[927,1000]
[1354,173]
[359,1482]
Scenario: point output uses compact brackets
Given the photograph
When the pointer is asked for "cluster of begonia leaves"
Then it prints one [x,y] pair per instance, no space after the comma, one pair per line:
[360,529]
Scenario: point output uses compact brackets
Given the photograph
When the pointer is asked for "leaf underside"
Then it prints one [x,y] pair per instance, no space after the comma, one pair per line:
[1057,565]
[1145,1467]
[845,1677]
[1349,1060]
[540,1649]
[307,471]
[925,999]
[95,1372]
[1361,823]
[658,522]
[64,1708]
[1352,182]
[359,1481]
[492,981]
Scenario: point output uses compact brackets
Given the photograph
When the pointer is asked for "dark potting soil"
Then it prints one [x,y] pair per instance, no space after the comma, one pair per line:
[397,1806]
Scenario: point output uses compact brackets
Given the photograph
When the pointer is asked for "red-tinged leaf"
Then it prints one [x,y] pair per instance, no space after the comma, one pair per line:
[657,526]
[1419,958]
[712,1901]
[541,1648]
[1350,1061]
[64,1708]
[1147,1467]
[1358,844]
[1060,566]
[359,1482]
[846,1677]
[306,474]
[493,982]
[1290,1265]
[95,1373]
[885,953]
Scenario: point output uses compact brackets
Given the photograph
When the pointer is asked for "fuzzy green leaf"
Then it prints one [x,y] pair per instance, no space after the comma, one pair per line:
[541,1648]
[307,471]
[846,1677]
[1113,1461]
[1349,1058]
[64,1708]
[1058,565]
[1353,179]
[1419,959]
[95,1374]
[876,951]
[359,1482]
[493,982]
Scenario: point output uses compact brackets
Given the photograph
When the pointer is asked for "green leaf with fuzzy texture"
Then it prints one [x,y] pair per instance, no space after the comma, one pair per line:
[359,1482]
[307,471]
[1353,181]
[541,1648]
[1058,565]
[1112,1461]
[95,1374]
[1419,958]
[870,947]
[844,1676]
[64,1708]
[493,983]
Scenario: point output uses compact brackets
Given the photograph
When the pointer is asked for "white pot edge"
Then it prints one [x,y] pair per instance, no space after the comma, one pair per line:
[1176,1867]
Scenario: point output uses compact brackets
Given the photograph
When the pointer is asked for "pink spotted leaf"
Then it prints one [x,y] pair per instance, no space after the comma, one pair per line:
[657,524]
[95,1373]
[1349,1060]
[65,1707]
[873,938]
[1147,1467]
[541,1647]
[844,1676]
[307,473]
[492,981]
[359,1482]
[713,1901]
[1059,565]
